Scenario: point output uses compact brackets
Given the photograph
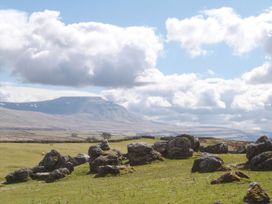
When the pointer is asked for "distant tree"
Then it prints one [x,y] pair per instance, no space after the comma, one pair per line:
[106,135]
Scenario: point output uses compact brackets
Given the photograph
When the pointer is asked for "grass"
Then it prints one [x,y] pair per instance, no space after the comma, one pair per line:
[169,181]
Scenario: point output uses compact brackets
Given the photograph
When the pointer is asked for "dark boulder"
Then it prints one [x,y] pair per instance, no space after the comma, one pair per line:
[17,176]
[104,145]
[94,152]
[258,148]
[179,148]
[54,160]
[107,169]
[261,162]
[140,153]
[57,174]
[103,160]
[195,144]
[40,176]
[208,163]
[220,148]
[161,147]
[81,159]
[263,139]
[256,195]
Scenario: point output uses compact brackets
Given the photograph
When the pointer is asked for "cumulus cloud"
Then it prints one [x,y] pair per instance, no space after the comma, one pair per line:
[221,25]
[40,48]
[259,75]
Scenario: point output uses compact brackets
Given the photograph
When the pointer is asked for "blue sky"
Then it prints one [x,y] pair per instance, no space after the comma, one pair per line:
[154,13]
[183,62]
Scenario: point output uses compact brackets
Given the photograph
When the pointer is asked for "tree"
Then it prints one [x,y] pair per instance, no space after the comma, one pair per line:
[106,135]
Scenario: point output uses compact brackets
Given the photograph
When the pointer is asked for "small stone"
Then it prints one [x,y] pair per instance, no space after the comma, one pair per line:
[256,195]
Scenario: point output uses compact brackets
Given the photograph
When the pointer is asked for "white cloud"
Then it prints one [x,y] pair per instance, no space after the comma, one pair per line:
[221,25]
[259,75]
[40,48]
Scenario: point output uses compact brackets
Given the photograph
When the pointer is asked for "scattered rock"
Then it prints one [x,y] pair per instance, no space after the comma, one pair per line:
[256,195]
[57,174]
[230,177]
[195,144]
[208,163]
[40,176]
[179,148]
[140,153]
[81,159]
[94,152]
[218,202]
[220,148]
[263,139]
[17,176]
[104,145]
[261,162]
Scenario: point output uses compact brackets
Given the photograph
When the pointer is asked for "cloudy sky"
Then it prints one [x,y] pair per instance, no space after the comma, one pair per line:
[185,63]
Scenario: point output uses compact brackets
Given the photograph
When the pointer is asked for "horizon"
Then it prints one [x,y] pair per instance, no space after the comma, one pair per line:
[203,63]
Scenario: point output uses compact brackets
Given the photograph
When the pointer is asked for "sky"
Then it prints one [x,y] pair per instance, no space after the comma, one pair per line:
[188,63]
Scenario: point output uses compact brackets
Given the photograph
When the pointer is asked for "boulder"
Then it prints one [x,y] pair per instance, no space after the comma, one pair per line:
[256,195]
[103,160]
[258,148]
[161,147]
[54,160]
[195,144]
[113,170]
[104,145]
[179,148]
[261,162]
[230,177]
[17,176]
[81,159]
[220,148]
[57,174]
[263,139]
[40,176]
[208,163]
[140,153]
[94,152]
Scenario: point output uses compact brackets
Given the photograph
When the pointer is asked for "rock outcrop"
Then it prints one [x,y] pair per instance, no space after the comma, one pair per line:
[230,177]
[140,153]
[220,148]
[17,176]
[179,148]
[261,162]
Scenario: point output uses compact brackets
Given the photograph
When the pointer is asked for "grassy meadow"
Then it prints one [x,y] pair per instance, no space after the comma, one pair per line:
[169,181]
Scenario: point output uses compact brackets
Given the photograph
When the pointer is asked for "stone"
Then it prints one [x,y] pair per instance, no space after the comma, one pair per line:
[195,144]
[220,148]
[161,147]
[57,174]
[230,177]
[263,139]
[17,176]
[54,160]
[208,163]
[256,195]
[179,148]
[261,162]
[40,176]
[81,159]
[258,148]
[113,170]
[104,145]
[140,153]
[94,152]
[104,160]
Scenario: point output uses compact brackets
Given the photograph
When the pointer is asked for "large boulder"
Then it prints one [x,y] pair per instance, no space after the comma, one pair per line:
[258,148]
[161,147]
[57,174]
[113,170]
[179,148]
[208,163]
[104,145]
[103,160]
[94,152]
[54,160]
[256,195]
[263,139]
[195,144]
[261,162]
[81,159]
[220,148]
[17,176]
[140,153]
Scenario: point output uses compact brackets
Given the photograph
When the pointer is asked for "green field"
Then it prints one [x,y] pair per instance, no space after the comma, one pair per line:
[169,181]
